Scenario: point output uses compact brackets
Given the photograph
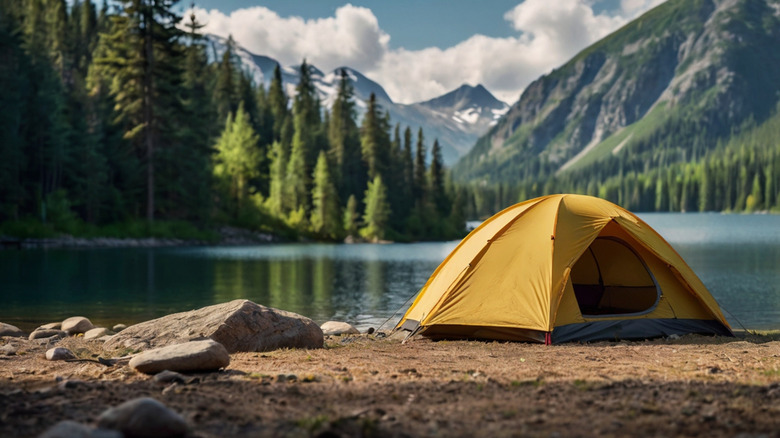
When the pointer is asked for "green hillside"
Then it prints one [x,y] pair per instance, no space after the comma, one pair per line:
[687,84]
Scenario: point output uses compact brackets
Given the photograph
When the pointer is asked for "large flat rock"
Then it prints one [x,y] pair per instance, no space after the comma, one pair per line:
[238,325]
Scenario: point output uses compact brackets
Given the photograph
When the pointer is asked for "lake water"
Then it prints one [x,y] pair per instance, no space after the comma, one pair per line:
[737,257]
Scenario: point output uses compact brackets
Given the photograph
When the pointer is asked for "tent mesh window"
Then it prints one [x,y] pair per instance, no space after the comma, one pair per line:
[610,279]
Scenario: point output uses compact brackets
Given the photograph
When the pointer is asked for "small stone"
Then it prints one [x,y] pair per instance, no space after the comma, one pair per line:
[206,355]
[76,324]
[334,328]
[96,333]
[370,331]
[10,330]
[169,376]
[71,384]
[143,418]
[59,353]
[51,326]
[118,328]
[47,333]
[8,350]
[71,429]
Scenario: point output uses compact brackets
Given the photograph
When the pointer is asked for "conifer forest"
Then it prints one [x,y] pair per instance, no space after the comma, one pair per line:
[112,117]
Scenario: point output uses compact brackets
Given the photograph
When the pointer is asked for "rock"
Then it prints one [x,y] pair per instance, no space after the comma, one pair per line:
[118,328]
[169,376]
[95,333]
[192,356]
[51,326]
[8,350]
[59,353]
[332,328]
[75,325]
[40,334]
[10,330]
[72,384]
[238,325]
[71,429]
[143,418]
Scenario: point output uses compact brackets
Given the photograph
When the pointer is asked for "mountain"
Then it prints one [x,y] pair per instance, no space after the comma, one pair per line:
[456,119]
[667,88]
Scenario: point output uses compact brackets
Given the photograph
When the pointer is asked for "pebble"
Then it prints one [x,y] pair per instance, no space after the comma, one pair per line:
[169,376]
[95,333]
[71,384]
[47,333]
[76,324]
[59,353]
[118,328]
[335,328]
[72,429]
[206,355]
[8,350]
[143,418]
[51,326]
[10,330]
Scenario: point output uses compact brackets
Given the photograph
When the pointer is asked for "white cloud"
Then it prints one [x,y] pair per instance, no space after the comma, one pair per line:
[549,33]
[352,37]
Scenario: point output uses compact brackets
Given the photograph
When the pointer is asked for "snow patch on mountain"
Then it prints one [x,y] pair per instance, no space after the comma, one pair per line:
[457,119]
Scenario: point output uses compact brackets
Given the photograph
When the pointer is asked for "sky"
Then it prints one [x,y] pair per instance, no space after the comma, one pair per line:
[421,49]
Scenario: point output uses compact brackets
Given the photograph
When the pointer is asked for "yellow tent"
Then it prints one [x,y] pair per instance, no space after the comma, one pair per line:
[563,268]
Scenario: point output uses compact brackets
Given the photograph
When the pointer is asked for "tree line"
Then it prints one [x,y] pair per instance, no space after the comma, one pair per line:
[668,171]
[115,114]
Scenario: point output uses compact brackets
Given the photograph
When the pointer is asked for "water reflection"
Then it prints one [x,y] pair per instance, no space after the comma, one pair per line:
[737,257]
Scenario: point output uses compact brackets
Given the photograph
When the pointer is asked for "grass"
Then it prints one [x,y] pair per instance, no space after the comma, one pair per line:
[642,127]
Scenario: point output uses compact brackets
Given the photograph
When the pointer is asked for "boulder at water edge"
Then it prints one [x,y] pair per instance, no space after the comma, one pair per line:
[143,418]
[76,324]
[187,357]
[238,325]
[10,330]
[334,328]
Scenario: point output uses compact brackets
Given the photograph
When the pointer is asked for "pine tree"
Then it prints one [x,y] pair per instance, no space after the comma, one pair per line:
[13,83]
[375,140]
[419,169]
[377,211]
[226,87]
[278,169]
[437,191]
[237,158]
[306,117]
[351,217]
[143,58]
[277,104]
[344,140]
[297,176]
[325,215]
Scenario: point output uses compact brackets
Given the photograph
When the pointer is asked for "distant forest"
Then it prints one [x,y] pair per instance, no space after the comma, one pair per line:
[678,168]
[115,115]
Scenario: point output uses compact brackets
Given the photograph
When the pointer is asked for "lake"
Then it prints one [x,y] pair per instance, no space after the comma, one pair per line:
[736,256]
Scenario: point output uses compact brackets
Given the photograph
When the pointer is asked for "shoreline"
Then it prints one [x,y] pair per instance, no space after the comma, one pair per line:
[229,236]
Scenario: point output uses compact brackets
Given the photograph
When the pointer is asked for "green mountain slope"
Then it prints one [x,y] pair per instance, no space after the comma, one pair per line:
[669,88]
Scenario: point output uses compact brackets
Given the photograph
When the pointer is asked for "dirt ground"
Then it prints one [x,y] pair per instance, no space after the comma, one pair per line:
[369,386]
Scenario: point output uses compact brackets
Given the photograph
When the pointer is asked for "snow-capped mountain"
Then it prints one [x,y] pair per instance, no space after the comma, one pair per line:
[456,119]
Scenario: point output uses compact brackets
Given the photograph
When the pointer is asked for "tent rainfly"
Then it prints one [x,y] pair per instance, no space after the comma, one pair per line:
[563,268]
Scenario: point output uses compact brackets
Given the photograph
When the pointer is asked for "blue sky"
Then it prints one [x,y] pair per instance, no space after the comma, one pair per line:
[421,49]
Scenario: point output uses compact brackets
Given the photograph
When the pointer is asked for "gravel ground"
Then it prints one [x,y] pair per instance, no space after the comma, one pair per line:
[368,386]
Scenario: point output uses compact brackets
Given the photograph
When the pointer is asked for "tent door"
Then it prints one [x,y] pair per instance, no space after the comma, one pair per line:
[611,279]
